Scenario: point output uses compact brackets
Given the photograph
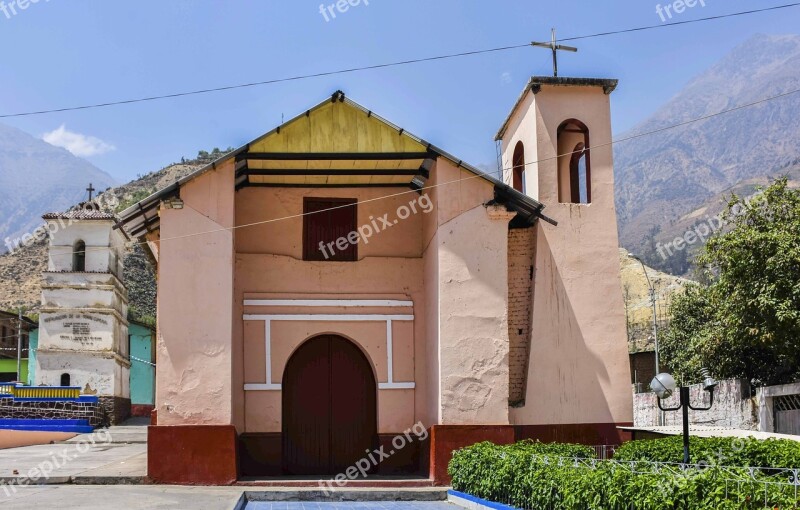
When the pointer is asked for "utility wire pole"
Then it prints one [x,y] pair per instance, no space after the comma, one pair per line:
[19,346]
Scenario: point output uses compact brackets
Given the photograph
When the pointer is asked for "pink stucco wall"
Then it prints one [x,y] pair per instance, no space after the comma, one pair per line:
[269,261]
[449,262]
[473,301]
[195,301]
[579,370]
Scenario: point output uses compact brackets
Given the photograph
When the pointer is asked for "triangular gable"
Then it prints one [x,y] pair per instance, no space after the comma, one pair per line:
[337,134]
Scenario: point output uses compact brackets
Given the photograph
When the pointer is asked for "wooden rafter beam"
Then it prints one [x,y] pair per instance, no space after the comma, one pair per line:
[331,156]
[304,172]
[277,185]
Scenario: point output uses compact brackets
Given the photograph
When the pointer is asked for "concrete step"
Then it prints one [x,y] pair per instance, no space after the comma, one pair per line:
[285,494]
[311,483]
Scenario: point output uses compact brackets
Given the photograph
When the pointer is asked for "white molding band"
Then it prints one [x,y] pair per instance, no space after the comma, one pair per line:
[389,351]
[269,319]
[397,386]
[381,386]
[262,387]
[330,318]
[268,350]
[362,303]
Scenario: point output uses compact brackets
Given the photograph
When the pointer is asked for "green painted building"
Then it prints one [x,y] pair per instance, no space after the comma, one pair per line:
[142,357]
[143,370]
[9,329]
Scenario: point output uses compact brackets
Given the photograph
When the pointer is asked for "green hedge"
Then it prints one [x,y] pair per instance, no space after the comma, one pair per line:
[538,476]
[724,451]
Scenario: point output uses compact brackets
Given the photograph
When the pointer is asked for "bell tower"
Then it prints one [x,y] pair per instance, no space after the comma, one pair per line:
[579,346]
[83,327]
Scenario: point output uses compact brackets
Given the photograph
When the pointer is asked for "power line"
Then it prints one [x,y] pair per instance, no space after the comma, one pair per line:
[386,65]
[686,22]
[267,82]
[607,144]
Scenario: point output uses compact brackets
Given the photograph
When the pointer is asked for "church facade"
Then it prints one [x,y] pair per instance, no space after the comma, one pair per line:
[339,283]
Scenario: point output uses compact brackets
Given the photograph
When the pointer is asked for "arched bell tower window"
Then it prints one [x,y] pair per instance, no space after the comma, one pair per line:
[79,257]
[518,163]
[574,163]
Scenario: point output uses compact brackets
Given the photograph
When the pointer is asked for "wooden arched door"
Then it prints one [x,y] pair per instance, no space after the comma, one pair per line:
[329,407]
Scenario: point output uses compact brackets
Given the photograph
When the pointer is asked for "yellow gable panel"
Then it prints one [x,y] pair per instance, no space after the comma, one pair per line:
[337,127]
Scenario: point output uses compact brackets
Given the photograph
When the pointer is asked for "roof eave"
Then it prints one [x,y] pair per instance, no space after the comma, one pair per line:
[536,82]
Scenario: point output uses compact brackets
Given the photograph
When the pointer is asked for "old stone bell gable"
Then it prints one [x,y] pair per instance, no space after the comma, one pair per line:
[290,340]
[83,334]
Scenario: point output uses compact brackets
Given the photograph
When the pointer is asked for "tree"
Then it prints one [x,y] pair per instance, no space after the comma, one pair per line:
[745,323]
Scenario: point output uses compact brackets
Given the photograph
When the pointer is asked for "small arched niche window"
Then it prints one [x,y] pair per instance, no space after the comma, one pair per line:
[79,257]
[574,163]
[518,163]
[65,380]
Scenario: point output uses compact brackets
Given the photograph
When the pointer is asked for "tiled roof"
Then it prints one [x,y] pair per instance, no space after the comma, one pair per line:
[83,212]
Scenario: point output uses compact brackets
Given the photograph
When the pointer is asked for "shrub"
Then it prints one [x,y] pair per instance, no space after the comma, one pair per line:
[722,451]
[568,477]
[490,470]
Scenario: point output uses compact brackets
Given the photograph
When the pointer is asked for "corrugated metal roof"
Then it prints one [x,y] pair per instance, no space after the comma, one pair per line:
[707,431]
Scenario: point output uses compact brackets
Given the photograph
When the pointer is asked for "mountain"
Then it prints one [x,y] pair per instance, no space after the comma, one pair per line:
[662,178]
[636,296]
[35,178]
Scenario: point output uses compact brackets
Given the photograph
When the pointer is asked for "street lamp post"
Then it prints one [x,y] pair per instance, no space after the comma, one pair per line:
[664,385]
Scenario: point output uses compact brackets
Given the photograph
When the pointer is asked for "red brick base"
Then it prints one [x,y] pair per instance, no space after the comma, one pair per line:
[592,434]
[444,439]
[192,455]
[207,455]
[141,410]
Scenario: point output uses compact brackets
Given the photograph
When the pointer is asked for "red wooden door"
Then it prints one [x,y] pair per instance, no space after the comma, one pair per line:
[329,407]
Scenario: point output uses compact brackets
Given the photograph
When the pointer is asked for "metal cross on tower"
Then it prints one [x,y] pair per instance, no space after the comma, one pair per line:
[91,190]
[555,48]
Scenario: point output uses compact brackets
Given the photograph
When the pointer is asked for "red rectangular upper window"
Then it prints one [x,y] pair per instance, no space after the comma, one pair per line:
[326,221]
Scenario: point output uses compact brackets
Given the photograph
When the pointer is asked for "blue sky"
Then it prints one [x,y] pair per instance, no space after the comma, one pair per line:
[70,52]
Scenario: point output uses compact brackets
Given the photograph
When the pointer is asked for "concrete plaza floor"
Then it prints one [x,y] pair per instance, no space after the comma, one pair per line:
[86,459]
[77,497]
[380,505]
[107,469]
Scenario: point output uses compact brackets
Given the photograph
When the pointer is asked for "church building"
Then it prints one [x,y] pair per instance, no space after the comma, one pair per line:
[339,282]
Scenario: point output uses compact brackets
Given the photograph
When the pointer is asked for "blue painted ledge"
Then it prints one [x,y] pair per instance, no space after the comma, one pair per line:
[472,502]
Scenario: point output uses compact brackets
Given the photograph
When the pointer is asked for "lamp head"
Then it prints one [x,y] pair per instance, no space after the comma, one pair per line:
[663,385]
[709,383]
